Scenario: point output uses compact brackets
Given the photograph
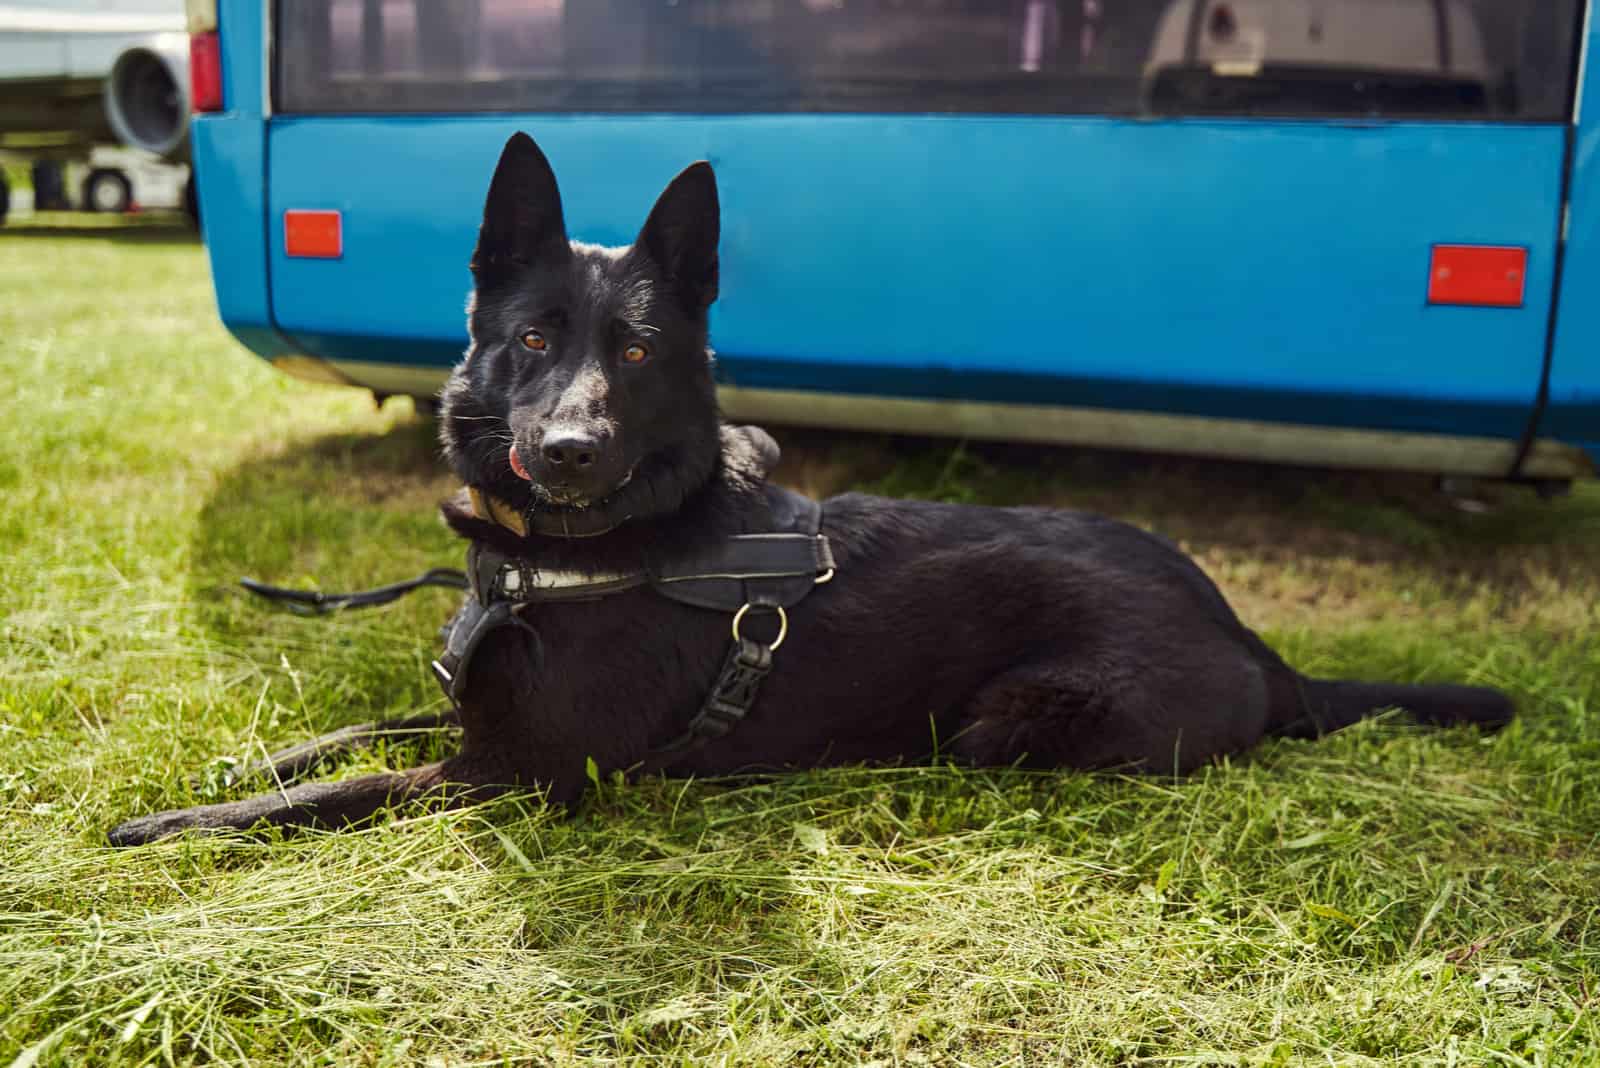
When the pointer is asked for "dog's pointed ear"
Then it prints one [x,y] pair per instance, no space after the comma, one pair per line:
[522,220]
[681,234]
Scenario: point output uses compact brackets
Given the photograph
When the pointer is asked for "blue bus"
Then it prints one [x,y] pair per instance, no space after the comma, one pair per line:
[1357,233]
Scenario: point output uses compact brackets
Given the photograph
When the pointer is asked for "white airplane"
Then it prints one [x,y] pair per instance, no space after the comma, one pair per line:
[79,74]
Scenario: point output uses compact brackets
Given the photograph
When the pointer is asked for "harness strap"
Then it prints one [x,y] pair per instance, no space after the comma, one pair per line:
[752,556]
[775,570]
[769,570]
[472,623]
[497,576]
[730,699]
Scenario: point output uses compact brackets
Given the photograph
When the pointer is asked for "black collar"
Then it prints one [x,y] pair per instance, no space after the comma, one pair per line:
[550,522]
[747,456]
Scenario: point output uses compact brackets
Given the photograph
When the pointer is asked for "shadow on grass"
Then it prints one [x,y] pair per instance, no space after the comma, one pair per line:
[341,512]
[154,229]
[352,511]
[1272,510]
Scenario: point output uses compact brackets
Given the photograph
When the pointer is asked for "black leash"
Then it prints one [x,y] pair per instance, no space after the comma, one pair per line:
[315,602]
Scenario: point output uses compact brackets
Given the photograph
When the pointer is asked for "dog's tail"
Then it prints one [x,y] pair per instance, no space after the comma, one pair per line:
[1328,704]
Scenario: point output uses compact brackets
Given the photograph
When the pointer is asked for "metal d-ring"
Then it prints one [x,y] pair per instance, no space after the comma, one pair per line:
[820,579]
[783,625]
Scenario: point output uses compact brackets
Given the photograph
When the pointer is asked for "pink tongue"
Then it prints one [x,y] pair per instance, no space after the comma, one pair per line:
[516,465]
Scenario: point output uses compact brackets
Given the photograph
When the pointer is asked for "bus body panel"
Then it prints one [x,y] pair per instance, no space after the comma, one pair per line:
[1264,269]
[1246,269]
[230,177]
[230,159]
[1574,400]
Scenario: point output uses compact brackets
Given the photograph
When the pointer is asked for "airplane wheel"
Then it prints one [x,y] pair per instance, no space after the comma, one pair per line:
[49,191]
[107,190]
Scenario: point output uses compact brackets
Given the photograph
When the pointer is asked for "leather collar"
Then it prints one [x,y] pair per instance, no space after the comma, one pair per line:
[563,523]
[748,454]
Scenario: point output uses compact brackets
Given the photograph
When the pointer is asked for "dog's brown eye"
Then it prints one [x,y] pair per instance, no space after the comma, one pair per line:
[636,353]
[534,341]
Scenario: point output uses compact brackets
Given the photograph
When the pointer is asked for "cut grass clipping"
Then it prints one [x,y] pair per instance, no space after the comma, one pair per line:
[1390,895]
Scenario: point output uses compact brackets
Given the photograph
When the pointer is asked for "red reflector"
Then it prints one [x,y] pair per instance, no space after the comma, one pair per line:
[1482,275]
[317,234]
[205,72]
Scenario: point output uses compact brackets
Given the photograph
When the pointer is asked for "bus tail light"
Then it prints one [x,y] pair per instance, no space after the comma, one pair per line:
[1486,276]
[317,235]
[205,72]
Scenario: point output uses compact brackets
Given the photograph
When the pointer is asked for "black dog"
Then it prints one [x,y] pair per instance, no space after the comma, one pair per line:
[609,514]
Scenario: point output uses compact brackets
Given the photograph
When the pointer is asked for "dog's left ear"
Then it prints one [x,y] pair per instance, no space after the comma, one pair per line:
[681,234]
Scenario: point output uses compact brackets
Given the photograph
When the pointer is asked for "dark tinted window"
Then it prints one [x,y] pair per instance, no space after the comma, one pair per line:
[1507,59]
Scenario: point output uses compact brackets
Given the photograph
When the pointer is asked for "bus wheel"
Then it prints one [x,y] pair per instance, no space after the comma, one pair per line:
[107,190]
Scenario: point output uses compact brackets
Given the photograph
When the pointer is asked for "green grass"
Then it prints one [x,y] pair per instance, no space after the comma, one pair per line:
[1390,895]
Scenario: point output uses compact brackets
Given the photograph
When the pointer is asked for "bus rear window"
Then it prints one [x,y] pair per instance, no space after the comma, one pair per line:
[1484,59]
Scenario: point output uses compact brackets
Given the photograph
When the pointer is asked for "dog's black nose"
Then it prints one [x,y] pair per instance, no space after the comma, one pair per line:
[572,448]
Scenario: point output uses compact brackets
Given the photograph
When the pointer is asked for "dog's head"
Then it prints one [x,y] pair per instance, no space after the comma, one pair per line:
[586,392]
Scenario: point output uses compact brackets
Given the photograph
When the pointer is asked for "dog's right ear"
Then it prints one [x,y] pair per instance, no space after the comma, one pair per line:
[522,222]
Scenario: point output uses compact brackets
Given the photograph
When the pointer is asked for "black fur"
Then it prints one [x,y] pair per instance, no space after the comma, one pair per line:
[995,636]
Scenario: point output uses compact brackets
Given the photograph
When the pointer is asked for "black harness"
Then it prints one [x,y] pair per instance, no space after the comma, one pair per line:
[766,573]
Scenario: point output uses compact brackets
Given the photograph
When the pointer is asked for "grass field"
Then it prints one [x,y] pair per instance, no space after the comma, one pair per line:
[1387,896]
